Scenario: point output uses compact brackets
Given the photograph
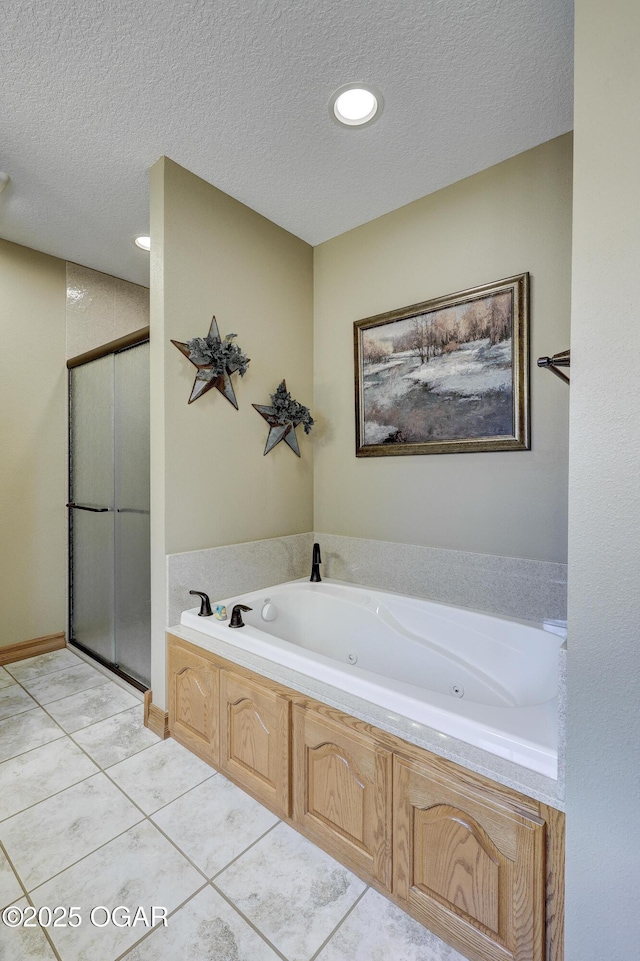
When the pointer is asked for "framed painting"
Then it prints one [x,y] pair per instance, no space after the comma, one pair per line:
[447,376]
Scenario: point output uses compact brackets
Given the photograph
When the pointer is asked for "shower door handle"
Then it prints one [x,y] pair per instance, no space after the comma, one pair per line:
[94,510]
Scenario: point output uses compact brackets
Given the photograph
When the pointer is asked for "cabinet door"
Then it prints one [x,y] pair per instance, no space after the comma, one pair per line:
[342,793]
[194,702]
[254,739]
[469,868]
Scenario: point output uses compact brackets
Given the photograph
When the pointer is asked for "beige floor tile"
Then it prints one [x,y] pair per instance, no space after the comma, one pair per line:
[233,819]
[24,732]
[293,892]
[41,664]
[205,929]
[24,944]
[377,930]
[15,700]
[47,838]
[10,889]
[85,708]
[116,738]
[52,687]
[159,774]
[138,869]
[5,678]
[36,775]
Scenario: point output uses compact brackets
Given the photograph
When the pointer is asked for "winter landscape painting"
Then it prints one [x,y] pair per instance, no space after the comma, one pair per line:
[445,376]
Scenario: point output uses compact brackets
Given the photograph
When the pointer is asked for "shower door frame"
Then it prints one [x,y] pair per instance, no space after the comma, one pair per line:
[134,339]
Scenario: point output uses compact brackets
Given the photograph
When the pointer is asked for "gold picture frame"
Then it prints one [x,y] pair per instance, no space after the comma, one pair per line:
[446,376]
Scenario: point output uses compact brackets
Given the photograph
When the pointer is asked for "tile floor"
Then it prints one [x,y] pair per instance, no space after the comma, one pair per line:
[90,817]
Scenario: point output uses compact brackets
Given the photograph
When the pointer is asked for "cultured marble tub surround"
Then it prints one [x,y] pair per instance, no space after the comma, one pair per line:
[107,814]
[235,569]
[510,586]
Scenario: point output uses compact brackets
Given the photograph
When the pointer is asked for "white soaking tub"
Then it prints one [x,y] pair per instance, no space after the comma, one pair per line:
[489,681]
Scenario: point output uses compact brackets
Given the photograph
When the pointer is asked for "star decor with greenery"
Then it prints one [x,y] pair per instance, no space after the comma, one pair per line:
[283,417]
[215,359]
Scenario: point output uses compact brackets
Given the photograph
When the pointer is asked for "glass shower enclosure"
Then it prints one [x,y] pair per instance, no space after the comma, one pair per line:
[109,560]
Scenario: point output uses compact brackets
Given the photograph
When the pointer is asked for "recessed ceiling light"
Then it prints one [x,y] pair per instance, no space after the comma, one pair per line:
[144,243]
[355,104]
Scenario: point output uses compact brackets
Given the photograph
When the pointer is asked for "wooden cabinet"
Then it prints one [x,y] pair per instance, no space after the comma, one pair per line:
[194,701]
[477,863]
[470,867]
[254,739]
[342,793]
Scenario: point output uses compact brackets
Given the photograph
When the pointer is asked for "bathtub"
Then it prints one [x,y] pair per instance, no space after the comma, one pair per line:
[489,681]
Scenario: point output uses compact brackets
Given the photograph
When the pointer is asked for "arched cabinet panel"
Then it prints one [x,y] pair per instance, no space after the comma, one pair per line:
[472,870]
[194,702]
[249,737]
[254,739]
[342,793]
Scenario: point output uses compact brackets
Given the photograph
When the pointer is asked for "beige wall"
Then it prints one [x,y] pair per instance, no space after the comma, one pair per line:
[101,308]
[211,484]
[511,218]
[603,758]
[32,444]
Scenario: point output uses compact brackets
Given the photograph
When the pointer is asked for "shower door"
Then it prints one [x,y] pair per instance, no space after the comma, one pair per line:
[109,576]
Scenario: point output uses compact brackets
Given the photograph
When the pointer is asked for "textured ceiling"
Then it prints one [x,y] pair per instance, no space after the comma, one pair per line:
[94,92]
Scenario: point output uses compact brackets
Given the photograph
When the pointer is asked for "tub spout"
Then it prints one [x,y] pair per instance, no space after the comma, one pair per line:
[316,562]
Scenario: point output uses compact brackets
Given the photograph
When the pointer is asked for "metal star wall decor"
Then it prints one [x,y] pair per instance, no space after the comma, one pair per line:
[215,360]
[283,417]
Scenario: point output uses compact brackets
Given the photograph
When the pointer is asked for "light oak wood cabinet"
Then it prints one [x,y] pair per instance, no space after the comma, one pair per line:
[255,739]
[470,868]
[194,684]
[342,793]
[477,863]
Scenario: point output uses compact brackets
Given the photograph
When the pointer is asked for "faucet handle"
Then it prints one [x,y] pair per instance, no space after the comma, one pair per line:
[236,616]
[205,604]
